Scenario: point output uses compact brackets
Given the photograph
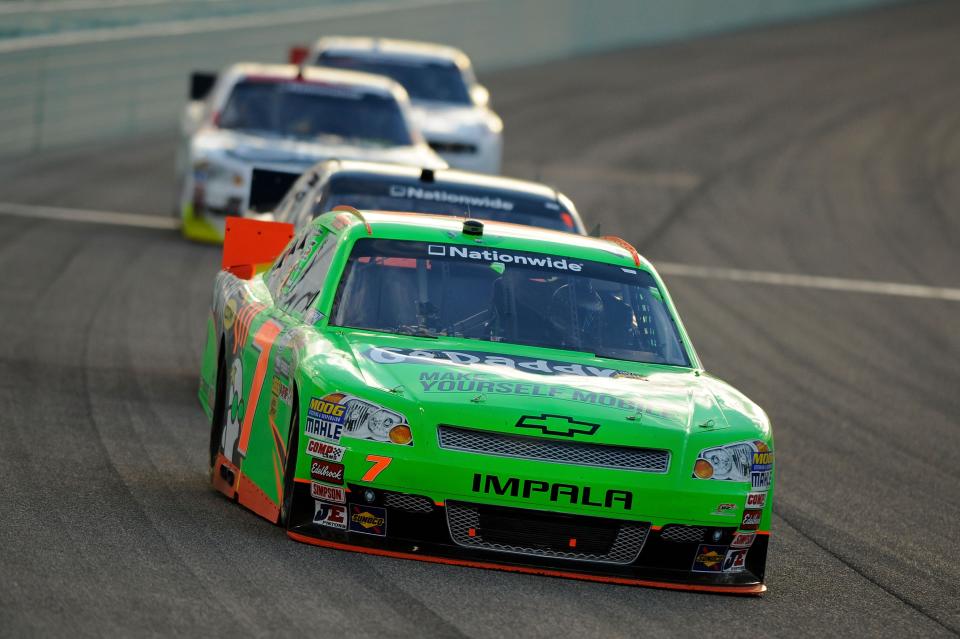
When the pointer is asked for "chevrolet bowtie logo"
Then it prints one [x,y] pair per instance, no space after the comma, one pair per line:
[557,425]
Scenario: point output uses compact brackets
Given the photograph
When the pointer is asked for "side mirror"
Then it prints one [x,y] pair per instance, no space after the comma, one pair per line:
[201,82]
[480,95]
[297,54]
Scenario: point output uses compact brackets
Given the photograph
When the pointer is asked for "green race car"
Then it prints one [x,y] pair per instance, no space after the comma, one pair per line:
[480,394]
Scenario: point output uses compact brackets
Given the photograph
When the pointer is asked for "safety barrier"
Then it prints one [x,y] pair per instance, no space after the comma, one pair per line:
[83,86]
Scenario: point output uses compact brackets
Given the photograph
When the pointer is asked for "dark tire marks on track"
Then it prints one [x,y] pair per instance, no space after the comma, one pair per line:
[828,148]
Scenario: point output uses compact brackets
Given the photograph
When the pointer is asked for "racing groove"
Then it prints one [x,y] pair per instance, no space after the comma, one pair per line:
[828,148]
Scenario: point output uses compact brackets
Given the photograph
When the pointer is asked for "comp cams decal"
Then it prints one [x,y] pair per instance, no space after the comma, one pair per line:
[323,450]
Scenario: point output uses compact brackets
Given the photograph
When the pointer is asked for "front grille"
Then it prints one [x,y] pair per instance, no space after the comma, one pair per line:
[682,534]
[267,188]
[410,503]
[542,534]
[452,147]
[646,460]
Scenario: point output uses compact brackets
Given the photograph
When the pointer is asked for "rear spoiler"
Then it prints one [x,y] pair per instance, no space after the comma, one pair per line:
[249,244]
[297,54]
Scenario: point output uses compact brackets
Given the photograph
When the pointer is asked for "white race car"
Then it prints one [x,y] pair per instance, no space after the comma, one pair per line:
[450,107]
[250,132]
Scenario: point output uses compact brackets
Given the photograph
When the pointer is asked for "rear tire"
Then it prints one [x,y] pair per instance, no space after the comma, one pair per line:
[290,465]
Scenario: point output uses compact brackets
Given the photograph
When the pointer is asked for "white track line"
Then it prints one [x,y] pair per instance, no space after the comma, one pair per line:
[809,281]
[665,268]
[92,217]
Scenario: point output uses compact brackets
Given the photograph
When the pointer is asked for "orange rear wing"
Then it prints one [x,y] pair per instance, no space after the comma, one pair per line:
[249,244]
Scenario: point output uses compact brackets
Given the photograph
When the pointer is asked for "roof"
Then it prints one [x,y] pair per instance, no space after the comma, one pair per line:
[327,75]
[386,47]
[445,229]
[441,177]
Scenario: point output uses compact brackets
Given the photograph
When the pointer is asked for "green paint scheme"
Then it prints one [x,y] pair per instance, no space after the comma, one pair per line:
[682,410]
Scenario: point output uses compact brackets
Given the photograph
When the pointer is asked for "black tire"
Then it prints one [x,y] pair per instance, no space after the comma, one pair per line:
[290,465]
[219,409]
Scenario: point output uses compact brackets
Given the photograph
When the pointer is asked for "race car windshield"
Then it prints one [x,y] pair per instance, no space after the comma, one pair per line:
[448,199]
[424,80]
[517,297]
[315,112]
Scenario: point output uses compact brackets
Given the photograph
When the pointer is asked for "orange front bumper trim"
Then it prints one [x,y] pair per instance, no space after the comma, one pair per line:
[625,581]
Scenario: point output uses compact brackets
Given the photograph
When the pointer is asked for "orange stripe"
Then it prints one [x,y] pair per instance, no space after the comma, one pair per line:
[626,581]
[264,337]
[256,500]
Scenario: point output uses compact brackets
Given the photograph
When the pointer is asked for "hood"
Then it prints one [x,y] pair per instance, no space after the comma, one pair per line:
[556,394]
[300,154]
[438,119]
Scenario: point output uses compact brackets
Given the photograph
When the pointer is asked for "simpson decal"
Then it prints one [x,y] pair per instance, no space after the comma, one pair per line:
[323,450]
[328,493]
[742,540]
[330,515]
[368,520]
[322,470]
[709,558]
[751,519]
[735,561]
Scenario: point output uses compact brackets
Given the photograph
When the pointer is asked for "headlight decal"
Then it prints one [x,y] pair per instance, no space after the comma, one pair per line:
[740,462]
[337,414]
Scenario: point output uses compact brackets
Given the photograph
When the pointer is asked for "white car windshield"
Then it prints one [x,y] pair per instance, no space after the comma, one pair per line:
[518,297]
[434,81]
[316,112]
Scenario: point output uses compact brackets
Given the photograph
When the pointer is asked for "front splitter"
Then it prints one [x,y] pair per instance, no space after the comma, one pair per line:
[747,589]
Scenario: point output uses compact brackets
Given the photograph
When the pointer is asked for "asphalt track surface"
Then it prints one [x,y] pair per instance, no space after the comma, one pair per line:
[828,148]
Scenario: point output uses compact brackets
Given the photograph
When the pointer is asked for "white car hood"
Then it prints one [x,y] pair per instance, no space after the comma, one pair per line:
[260,150]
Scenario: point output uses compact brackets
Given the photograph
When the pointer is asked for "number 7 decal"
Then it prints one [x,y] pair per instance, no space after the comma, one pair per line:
[380,464]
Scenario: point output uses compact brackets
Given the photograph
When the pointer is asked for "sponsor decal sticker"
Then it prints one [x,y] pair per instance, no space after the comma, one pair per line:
[742,539]
[325,417]
[492,255]
[324,450]
[756,500]
[557,425]
[709,558]
[330,515]
[323,470]
[761,468]
[735,561]
[727,510]
[558,493]
[751,519]
[464,199]
[391,355]
[369,520]
[229,313]
[328,493]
